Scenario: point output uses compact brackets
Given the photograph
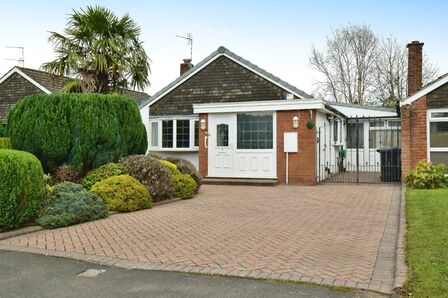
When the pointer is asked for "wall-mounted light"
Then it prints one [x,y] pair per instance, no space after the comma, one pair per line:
[203,124]
[295,121]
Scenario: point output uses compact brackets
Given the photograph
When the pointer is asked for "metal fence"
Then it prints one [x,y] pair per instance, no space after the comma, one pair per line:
[359,150]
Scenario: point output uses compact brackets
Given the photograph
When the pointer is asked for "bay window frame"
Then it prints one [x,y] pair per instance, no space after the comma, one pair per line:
[429,120]
[160,120]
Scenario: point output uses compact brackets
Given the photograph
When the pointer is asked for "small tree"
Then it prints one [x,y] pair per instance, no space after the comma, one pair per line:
[101,50]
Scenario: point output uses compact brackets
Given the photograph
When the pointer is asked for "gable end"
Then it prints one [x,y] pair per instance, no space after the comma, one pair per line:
[438,98]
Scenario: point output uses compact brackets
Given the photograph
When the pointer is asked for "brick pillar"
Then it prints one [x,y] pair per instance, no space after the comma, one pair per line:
[203,151]
[415,66]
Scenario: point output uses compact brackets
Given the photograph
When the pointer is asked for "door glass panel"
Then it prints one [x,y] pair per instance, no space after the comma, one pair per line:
[255,131]
[222,135]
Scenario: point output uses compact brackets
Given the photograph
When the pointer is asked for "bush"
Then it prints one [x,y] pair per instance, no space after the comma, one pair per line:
[123,193]
[170,166]
[65,173]
[2,128]
[84,130]
[186,167]
[5,143]
[426,175]
[22,187]
[184,186]
[152,173]
[70,204]
[103,172]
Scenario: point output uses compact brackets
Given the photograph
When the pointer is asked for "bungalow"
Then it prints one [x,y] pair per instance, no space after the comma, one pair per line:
[233,119]
[424,115]
[20,82]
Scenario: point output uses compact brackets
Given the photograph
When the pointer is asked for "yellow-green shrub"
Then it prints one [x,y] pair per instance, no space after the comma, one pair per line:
[123,193]
[170,166]
[5,143]
[184,186]
[103,172]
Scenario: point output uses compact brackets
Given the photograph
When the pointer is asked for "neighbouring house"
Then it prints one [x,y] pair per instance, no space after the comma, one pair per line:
[424,115]
[20,82]
[233,119]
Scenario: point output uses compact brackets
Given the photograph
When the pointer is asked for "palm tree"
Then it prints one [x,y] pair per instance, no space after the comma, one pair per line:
[102,51]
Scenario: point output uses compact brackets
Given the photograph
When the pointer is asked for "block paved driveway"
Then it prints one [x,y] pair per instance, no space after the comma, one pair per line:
[317,233]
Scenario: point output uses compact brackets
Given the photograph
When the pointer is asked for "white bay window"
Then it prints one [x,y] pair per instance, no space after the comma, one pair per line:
[438,136]
[178,134]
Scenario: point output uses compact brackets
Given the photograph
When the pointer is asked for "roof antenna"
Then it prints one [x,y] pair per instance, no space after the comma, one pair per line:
[20,59]
[189,39]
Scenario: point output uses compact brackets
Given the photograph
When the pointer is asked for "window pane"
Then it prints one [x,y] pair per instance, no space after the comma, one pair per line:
[394,123]
[377,123]
[335,131]
[183,133]
[439,134]
[384,138]
[255,131]
[196,133]
[167,133]
[155,134]
[222,135]
[439,114]
[351,135]
[439,157]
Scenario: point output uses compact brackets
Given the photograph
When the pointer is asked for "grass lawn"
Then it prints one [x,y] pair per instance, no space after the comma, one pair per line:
[427,242]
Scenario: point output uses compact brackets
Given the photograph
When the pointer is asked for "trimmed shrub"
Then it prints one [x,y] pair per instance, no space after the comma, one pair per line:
[22,187]
[184,186]
[170,166]
[65,173]
[103,172]
[70,204]
[5,143]
[152,174]
[84,130]
[426,175]
[186,167]
[123,193]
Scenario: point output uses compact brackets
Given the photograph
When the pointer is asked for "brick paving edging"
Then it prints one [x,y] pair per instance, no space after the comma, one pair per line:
[401,268]
[165,266]
[20,232]
[384,271]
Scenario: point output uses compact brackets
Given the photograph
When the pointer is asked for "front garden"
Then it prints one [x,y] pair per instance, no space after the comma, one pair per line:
[427,235]
[72,158]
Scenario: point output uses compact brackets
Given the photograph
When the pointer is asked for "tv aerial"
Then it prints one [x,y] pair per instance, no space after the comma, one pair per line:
[189,39]
[21,59]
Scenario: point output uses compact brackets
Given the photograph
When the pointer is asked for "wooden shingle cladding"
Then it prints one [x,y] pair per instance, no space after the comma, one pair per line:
[12,90]
[438,98]
[223,80]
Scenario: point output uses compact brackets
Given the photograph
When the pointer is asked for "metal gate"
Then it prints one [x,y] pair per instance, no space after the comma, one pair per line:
[359,150]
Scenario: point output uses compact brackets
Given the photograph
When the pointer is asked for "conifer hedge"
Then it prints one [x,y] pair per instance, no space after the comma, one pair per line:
[84,130]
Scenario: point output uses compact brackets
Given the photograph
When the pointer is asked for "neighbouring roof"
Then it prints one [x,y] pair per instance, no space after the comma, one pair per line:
[222,51]
[442,80]
[49,83]
[362,111]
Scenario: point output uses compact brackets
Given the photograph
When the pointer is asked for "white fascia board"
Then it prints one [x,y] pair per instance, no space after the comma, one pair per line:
[258,106]
[424,91]
[169,117]
[352,112]
[16,70]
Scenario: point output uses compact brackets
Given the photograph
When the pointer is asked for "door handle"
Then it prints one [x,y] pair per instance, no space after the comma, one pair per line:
[205,142]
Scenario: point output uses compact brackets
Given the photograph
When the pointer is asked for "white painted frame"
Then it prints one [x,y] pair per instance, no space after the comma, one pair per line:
[430,119]
[159,120]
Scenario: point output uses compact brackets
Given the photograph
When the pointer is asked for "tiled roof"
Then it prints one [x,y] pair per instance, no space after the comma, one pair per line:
[223,51]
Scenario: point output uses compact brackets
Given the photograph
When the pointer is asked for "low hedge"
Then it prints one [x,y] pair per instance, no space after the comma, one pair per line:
[123,193]
[5,143]
[103,172]
[152,174]
[70,204]
[425,175]
[186,167]
[22,187]
[184,186]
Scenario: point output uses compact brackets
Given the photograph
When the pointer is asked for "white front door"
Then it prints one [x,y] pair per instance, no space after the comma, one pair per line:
[221,145]
[242,146]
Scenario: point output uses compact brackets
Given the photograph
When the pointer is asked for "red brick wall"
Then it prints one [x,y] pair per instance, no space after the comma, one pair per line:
[302,165]
[415,66]
[203,152]
[413,134]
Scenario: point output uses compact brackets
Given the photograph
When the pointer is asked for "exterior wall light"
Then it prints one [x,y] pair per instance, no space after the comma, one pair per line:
[203,124]
[295,122]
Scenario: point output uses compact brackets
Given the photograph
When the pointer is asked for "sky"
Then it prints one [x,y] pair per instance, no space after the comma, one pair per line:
[275,35]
